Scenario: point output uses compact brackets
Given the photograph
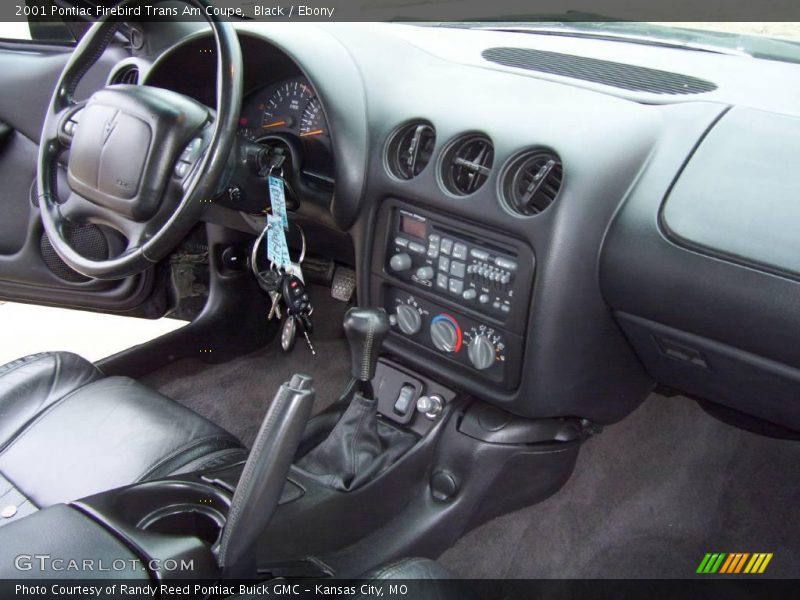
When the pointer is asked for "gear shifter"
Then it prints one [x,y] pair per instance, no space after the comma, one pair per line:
[359,446]
[365,328]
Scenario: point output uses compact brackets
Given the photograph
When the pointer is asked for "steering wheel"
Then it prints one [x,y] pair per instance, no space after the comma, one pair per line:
[143,161]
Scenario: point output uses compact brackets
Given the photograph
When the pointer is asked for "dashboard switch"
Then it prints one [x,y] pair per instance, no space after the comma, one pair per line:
[405,400]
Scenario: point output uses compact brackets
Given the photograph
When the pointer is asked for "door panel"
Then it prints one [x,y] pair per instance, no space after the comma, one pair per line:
[29,269]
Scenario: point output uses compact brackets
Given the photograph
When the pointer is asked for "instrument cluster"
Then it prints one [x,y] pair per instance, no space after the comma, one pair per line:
[289,111]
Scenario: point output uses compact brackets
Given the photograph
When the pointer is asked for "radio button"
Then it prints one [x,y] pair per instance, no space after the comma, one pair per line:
[505,263]
[416,248]
[402,242]
[434,238]
[457,268]
[441,281]
[444,264]
[425,273]
[505,308]
[484,299]
[479,254]
[469,294]
[456,286]
[505,278]
[400,262]
[460,251]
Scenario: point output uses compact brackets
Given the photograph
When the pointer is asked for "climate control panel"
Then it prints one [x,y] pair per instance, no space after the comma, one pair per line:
[476,345]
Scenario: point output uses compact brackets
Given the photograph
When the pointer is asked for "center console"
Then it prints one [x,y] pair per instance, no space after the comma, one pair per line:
[457,294]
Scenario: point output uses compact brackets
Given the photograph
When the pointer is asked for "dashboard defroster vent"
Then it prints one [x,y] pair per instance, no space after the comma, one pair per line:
[531,182]
[128,74]
[410,149]
[620,75]
[467,163]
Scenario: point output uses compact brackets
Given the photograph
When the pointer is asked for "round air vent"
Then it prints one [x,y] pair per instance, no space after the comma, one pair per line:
[467,163]
[129,74]
[410,149]
[531,182]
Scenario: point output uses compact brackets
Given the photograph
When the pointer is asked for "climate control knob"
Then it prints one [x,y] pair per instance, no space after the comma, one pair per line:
[400,262]
[408,319]
[481,352]
[445,333]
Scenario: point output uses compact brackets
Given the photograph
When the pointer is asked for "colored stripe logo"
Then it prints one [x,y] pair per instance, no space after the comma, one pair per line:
[734,563]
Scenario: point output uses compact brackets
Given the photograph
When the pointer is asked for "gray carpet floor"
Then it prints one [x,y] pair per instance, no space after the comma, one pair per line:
[649,497]
[235,394]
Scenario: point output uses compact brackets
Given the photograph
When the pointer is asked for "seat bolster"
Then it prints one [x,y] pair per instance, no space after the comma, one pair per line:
[106,434]
[32,384]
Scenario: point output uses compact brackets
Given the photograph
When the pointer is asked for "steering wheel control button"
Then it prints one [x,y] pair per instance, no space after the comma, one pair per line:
[8,511]
[400,262]
[181,169]
[430,406]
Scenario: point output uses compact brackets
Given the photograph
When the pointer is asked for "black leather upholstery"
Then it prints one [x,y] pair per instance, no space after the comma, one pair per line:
[67,432]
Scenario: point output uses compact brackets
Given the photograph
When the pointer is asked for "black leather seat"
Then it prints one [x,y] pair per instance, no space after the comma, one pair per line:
[66,432]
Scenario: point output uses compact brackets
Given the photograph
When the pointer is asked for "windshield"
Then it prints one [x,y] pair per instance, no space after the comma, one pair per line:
[774,41]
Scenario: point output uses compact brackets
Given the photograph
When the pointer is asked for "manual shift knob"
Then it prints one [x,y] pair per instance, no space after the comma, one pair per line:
[365,329]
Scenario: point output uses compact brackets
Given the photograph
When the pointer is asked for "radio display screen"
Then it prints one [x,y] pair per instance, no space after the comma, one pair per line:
[415,227]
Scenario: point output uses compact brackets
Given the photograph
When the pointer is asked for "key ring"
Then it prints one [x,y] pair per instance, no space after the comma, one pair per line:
[272,265]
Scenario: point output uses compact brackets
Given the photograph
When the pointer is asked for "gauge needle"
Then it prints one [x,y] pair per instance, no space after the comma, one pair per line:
[275,124]
[315,132]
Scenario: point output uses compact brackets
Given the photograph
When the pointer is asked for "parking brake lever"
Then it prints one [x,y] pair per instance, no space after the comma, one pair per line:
[264,476]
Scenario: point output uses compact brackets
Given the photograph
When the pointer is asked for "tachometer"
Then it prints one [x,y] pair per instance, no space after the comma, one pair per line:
[284,108]
[312,121]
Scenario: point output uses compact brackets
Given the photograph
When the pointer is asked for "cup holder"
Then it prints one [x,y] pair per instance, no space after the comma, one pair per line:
[202,522]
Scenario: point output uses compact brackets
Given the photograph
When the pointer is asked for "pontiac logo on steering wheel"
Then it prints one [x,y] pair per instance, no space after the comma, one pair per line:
[110,126]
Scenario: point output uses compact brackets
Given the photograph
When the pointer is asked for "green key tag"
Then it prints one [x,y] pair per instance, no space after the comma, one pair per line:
[277,199]
[277,248]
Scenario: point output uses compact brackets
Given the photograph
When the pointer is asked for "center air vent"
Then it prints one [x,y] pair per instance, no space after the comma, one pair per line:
[410,149]
[531,182]
[467,163]
[129,74]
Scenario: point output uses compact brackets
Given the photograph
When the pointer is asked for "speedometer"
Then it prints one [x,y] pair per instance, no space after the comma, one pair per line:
[286,105]
[312,121]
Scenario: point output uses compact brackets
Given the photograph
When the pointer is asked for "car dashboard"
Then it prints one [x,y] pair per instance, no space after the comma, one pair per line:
[505,198]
